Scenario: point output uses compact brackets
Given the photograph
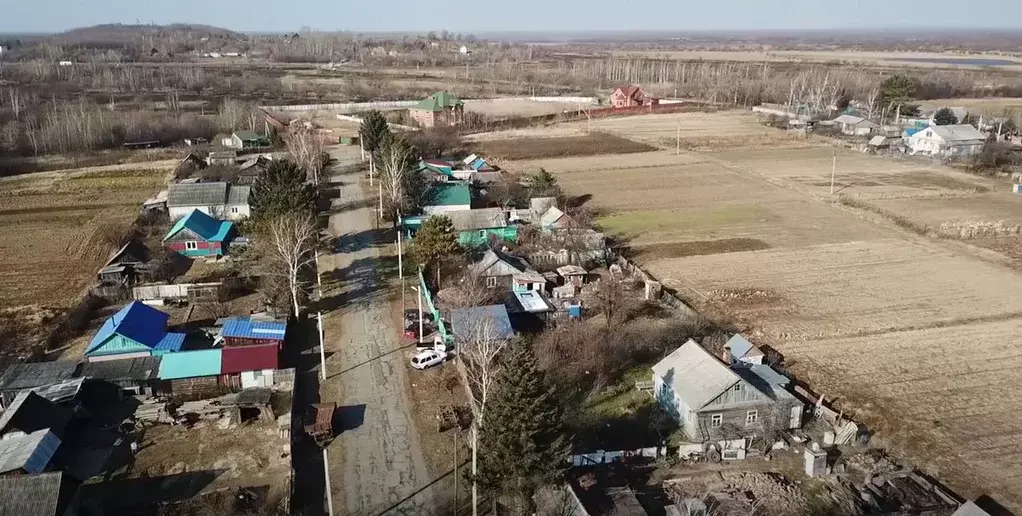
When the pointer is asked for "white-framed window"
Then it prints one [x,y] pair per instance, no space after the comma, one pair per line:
[491,282]
[751,417]
[482,233]
[716,420]
[738,387]
[234,209]
[191,245]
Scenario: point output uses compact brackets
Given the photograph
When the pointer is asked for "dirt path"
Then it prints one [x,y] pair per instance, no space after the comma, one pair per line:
[376,465]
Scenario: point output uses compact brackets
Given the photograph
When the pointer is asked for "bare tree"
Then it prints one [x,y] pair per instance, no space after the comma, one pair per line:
[292,250]
[480,344]
[610,297]
[396,159]
[306,150]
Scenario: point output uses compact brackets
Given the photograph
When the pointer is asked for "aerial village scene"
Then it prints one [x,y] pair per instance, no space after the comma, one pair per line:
[324,272]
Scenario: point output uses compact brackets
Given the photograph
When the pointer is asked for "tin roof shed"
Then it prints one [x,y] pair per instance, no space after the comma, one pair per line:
[190,364]
[36,374]
[245,327]
[30,495]
[31,452]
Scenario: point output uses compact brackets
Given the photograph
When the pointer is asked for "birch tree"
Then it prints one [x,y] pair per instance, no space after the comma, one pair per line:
[306,149]
[397,157]
[480,343]
[292,245]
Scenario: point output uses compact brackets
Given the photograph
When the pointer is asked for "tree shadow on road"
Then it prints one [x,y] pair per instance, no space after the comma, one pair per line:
[306,456]
[361,282]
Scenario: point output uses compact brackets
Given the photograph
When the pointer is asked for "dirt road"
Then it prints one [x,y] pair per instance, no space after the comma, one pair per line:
[376,466]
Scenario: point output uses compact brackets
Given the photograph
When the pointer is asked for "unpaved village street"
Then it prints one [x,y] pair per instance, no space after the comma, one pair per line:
[376,465]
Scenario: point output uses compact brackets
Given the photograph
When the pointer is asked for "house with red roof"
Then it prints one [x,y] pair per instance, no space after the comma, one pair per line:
[631,96]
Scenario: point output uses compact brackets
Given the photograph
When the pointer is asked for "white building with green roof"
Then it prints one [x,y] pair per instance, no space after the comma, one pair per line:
[441,109]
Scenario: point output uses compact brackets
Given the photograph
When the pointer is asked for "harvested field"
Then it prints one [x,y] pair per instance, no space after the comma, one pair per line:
[535,148]
[856,175]
[699,131]
[888,322]
[994,106]
[511,108]
[53,225]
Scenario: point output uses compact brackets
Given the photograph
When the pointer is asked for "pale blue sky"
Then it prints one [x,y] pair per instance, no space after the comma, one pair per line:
[517,15]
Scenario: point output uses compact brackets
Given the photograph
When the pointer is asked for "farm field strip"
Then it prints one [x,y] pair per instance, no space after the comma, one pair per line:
[990,207]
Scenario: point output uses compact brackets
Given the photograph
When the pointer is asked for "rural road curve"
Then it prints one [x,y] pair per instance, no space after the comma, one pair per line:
[376,466]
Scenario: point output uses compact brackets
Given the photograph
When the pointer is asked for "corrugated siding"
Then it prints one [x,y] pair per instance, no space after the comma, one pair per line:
[118,344]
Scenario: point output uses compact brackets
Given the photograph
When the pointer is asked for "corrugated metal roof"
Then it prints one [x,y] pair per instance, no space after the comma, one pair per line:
[551,216]
[766,380]
[30,495]
[208,228]
[31,452]
[971,508]
[485,218]
[61,392]
[448,194]
[144,368]
[36,374]
[248,358]
[196,194]
[190,364]
[439,101]
[245,327]
[695,375]
[481,322]
[958,133]
[238,194]
[136,321]
[741,348]
[246,136]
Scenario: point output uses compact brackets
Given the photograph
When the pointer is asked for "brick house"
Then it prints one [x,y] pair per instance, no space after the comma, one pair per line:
[631,96]
[440,109]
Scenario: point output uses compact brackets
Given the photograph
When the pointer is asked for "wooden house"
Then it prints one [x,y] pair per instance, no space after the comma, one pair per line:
[198,234]
[217,199]
[126,266]
[135,376]
[137,330]
[712,401]
[501,270]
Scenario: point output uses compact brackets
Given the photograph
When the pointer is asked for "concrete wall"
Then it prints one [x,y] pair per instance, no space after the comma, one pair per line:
[391,104]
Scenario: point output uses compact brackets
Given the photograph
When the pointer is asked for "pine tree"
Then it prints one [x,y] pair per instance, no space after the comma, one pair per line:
[544,184]
[944,116]
[279,190]
[521,444]
[434,241]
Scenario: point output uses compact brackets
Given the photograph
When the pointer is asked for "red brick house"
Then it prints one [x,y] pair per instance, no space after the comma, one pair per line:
[631,96]
[441,109]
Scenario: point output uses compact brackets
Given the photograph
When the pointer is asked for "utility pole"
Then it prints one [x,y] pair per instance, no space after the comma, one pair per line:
[678,151]
[326,478]
[456,468]
[400,261]
[322,347]
[379,219]
[833,172]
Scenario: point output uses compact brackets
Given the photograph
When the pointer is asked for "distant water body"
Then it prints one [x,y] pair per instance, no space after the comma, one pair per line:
[956,61]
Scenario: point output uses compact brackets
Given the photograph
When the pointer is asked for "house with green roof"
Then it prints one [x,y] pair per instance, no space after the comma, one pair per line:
[247,140]
[198,234]
[447,197]
[441,109]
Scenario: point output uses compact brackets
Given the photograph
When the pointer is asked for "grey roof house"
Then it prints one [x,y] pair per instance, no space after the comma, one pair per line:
[29,375]
[712,401]
[219,200]
[504,270]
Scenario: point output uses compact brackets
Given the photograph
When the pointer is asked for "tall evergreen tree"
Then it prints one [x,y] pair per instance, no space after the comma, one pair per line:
[544,184]
[521,445]
[434,241]
[944,116]
[373,132]
[279,190]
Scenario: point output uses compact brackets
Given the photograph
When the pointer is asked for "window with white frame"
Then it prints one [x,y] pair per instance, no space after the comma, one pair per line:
[191,246]
[738,387]
[482,233]
[491,282]
[716,420]
[234,209]
[751,417]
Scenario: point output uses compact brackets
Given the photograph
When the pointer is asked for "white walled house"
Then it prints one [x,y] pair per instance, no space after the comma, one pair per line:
[220,200]
[946,140]
[855,126]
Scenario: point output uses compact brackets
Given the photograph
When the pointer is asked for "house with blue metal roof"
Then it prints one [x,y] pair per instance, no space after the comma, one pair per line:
[249,331]
[137,330]
[198,234]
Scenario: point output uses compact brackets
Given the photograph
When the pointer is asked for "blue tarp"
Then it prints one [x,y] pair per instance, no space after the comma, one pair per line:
[138,322]
[190,364]
[245,327]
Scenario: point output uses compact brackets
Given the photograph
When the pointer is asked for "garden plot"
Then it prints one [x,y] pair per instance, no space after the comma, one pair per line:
[970,217]
[856,175]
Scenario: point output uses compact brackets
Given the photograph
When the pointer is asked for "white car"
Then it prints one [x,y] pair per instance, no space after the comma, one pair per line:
[428,358]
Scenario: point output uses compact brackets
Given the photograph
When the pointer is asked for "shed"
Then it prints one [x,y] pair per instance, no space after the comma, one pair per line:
[248,358]
[248,140]
[489,322]
[198,234]
[19,377]
[127,265]
[739,350]
[190,364]
[134,375]
[30,453]
[447,197]
[572,274]
[135,330]
[31,495]
[222,157]
[855,126]
[246,331]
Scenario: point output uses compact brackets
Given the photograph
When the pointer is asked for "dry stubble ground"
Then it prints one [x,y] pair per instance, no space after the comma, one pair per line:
[49,243]
[911,334]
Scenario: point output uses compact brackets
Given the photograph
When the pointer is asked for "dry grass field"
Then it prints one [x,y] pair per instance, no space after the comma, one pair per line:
[50,228]
[887,59]
[994,106]
[911,334]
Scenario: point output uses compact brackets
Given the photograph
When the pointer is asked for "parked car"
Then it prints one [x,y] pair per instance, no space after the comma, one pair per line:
[428,358]
[412,329]
[412,315]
